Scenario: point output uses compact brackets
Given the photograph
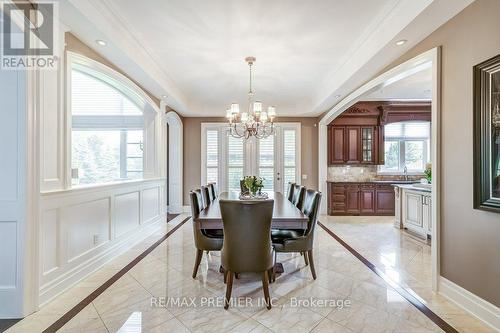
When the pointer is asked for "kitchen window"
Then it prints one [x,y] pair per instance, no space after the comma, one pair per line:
[407,144]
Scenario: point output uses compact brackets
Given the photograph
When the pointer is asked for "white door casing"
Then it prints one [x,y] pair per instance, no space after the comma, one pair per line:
[175,162]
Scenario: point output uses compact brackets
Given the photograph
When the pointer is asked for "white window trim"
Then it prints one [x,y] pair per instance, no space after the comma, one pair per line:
[249,150]
[128,87]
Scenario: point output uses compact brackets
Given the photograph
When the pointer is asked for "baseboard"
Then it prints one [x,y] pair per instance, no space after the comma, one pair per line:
[67,280]
[478,307]
[176,209]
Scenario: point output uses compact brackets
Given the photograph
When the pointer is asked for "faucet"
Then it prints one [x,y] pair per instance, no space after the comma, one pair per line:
[405,171]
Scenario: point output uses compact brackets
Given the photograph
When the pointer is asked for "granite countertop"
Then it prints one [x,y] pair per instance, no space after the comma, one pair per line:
[421,188]
[374,181]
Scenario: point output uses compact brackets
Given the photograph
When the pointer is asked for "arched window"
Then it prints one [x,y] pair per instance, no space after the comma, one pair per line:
[107,128]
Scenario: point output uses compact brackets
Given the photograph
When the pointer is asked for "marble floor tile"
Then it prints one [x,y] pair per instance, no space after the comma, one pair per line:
[148,297]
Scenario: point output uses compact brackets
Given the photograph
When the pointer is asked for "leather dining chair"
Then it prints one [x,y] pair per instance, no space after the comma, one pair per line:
[247,243]
[291,188]
[294,241]
[205,192]
[213,190]
[204,239]
[298,195]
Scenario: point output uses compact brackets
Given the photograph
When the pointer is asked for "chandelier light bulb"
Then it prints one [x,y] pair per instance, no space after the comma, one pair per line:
[271,111]
[235,108]
[244,117]
[257,107]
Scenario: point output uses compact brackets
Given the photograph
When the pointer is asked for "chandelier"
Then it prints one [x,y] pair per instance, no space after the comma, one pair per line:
[253,122]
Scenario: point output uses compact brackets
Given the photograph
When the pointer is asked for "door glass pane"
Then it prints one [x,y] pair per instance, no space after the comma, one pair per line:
[266,161]
[414,155]
[289,158]
[234,175]
[289,148]
[212,174]
[235,159]
[212,156]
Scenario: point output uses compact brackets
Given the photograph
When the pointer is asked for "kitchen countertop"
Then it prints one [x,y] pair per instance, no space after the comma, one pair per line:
[375,182]
[414,188]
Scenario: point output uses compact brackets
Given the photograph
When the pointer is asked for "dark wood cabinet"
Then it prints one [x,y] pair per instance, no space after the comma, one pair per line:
[357,135]
[367,202]
[336,153]
[385,200]
[360,199]
[352,199]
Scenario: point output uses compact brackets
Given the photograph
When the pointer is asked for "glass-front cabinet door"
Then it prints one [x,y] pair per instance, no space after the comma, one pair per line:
[367,144]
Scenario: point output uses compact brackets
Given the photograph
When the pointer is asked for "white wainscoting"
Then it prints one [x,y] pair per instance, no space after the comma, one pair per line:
[83,228]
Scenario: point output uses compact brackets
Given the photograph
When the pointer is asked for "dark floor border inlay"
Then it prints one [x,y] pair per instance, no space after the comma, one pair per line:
[87,300]
[406,293]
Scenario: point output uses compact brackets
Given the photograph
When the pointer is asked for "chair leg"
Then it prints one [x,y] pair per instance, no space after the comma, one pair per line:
[265,287]
[237,275]
[199,255]
[270,274]
[225,277]
[305,257]
[311,263]
[229,288]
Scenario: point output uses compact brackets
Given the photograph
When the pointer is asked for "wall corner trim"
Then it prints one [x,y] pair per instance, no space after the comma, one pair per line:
[478,307]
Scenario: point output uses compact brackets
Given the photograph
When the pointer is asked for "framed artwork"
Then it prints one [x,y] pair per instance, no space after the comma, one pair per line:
[487,135]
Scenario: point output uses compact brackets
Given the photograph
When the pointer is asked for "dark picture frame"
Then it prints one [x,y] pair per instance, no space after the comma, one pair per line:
[486,89]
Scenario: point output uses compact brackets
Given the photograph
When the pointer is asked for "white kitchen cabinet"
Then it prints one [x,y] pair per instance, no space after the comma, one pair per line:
[417,211]
[398,221]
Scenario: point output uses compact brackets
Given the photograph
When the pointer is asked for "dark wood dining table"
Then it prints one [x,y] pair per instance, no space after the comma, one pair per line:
[285,214]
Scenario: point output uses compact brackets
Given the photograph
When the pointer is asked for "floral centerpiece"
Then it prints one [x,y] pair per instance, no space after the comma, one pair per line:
[428,172]
[254,184]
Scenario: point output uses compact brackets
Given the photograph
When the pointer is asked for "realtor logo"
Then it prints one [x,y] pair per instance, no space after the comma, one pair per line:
[28,35]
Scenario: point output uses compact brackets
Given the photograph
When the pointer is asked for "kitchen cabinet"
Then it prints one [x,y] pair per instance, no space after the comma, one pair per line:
[352,145]
[367,201]
[417,212]
[385,200]
[336,154]
[356,137]
[360,199]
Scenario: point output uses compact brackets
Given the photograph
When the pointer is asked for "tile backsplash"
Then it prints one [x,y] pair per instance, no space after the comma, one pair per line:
[366,173]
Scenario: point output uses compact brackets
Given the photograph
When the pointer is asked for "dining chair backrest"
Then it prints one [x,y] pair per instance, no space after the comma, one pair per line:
[247,243]
[206,196]
[291,188]
[298,195]
[213,190]
[312,200]
[196,203]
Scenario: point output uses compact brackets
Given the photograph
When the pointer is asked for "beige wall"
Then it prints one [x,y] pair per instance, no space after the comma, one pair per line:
[192,151]
[470,239]
[75,45]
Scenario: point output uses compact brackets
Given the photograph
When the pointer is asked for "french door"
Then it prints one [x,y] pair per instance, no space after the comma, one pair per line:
[226,160]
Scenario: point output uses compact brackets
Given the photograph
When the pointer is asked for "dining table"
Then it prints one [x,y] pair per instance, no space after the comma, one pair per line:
[285,215]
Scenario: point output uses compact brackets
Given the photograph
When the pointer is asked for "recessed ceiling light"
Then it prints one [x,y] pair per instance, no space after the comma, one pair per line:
[401,42]
[101,42]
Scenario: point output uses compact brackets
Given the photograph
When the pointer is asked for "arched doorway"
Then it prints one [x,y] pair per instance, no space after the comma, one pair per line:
[175,162]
